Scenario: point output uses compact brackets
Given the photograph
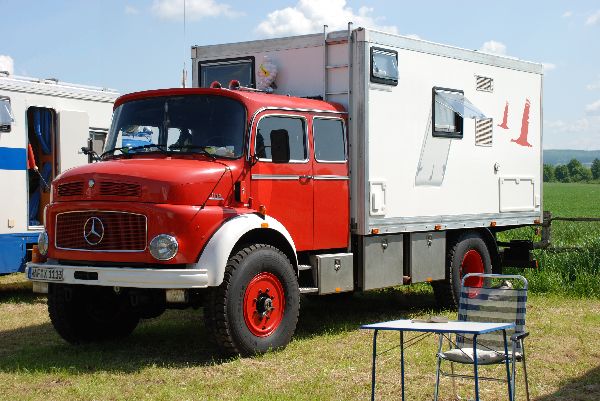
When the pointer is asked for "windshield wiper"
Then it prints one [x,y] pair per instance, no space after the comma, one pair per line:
[189,148]
[128,151]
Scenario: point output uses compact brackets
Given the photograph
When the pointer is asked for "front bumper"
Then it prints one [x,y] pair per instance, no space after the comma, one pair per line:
[127,277]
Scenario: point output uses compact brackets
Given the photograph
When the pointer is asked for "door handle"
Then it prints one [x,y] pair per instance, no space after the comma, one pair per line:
[305,177]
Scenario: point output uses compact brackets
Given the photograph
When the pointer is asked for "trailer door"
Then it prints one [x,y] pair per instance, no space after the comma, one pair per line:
[285,189]
[331,181]
[73,131]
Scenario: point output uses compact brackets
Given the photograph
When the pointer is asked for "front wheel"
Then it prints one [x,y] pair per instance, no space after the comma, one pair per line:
[467,254]
[256,307]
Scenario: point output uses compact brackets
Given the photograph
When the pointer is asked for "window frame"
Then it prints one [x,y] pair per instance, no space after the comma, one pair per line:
[9,129]
[345,139]
[306,141]
[226,61]
[379,80]
[458,118]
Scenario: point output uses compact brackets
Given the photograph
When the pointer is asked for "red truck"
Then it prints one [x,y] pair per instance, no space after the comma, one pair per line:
[238,201]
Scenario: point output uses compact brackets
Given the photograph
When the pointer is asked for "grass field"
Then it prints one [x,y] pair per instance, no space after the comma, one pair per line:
[329,357]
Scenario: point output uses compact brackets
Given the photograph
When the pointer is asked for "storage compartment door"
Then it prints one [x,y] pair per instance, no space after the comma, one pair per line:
[73,131]
[517,194]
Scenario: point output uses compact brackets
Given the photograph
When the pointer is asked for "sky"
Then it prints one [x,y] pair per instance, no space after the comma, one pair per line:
[140,44]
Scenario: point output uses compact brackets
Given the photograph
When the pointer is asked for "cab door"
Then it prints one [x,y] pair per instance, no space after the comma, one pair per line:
[284,188]
[331,183]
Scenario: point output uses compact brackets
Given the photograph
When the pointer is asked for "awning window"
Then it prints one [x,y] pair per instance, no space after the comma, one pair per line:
[6,117]
[458,103]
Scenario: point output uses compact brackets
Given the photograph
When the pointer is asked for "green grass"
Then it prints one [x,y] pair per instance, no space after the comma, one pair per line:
[169,358]
[576,272]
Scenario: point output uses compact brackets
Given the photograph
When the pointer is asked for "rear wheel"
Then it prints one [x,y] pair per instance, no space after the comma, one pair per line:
[467,254]
[83,314]
[256,307]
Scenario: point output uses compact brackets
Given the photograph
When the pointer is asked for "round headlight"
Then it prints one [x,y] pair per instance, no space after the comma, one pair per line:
[43,243]
[163,247]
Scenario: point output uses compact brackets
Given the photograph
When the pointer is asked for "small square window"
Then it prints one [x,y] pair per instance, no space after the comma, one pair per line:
[295,127]
[226,70]
[6,116]
[384,66]
[447,113]
[329,140]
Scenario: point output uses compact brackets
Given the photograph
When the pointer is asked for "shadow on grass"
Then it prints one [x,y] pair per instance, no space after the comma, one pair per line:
[583,388]
[179,339]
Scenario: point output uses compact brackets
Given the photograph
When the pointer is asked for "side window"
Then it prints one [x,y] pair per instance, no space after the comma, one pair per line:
[296,130]
[329,139]
[6,116]
[448,111]
[384,66]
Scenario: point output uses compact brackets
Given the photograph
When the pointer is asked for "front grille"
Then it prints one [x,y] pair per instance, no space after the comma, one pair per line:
[114,231]
[70,189]
[119,189]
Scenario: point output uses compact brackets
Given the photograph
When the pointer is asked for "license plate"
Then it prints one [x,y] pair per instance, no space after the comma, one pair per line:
[46,273]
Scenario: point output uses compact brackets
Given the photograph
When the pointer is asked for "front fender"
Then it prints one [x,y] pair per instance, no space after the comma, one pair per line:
[216,253]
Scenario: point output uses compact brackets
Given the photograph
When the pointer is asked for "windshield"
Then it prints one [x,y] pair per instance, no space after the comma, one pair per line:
[212,125]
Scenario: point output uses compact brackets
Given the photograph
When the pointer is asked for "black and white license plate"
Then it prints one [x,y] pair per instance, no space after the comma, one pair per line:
[46,273]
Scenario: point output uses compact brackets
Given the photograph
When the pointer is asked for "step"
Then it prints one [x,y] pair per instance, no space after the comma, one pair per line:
[309,290]
[304,267]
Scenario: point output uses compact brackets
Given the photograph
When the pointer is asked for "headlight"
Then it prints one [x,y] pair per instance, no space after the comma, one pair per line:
[43,243]
[163,247]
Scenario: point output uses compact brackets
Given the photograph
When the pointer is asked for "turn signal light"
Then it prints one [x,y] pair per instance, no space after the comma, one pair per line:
[375,231]
[36,256]
[438,227]
[493,224]
[262,209]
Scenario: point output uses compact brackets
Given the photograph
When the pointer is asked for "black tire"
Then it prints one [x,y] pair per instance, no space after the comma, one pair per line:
[447,292]
[82,314]
[225,314]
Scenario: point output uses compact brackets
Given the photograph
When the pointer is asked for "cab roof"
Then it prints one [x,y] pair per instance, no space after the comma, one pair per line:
[254,100]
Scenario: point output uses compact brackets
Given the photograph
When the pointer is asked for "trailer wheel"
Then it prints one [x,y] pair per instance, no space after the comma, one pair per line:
[83,314]
[256,307]
[467,254]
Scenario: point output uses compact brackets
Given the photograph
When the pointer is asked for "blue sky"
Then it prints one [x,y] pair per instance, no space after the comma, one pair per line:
[135,45]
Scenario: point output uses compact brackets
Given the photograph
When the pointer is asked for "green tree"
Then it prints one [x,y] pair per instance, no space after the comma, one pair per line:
[596,169]
[574,166]
[578,172]
[549,173]
[562,173]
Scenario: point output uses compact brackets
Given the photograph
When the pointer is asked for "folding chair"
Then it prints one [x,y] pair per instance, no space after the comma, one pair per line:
[488,298]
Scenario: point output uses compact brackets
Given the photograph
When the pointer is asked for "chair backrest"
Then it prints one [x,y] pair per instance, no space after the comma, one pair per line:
[496,298]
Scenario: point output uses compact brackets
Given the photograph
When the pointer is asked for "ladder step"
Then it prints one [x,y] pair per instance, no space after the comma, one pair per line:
[331,67]
[304,267]
[337,93]
[308,290]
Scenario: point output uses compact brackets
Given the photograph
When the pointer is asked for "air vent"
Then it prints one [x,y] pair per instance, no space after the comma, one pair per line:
[484,84]
[484,130]
[119,189]
[71,189]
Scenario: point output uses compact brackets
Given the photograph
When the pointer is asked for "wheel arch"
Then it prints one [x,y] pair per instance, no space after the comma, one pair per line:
[490,241]
[238,232]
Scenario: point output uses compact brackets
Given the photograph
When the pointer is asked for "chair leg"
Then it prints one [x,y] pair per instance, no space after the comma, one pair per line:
[513,380]
[437,373]
[525,370]
[454,395]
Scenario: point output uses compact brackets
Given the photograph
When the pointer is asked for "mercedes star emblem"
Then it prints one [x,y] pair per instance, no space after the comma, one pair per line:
[91,183]
[93,231]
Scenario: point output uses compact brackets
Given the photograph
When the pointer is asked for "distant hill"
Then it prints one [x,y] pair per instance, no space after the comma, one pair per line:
[563,156]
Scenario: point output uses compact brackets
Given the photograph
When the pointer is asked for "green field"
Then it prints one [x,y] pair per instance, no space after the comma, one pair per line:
[329,358]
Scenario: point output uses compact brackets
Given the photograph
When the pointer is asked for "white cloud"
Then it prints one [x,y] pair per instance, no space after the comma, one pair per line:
[592,19]
[593,108]
[549,67]
[131,10]
[567,14]
[194,9]
[494,47]
[577,134]
[7,64]
[593,85]
[309,16]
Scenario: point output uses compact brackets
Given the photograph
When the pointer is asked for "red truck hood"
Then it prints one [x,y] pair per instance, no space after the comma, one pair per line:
[183,181]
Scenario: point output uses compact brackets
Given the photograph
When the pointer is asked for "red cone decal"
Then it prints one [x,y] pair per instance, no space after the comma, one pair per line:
[522,139]
[505,118]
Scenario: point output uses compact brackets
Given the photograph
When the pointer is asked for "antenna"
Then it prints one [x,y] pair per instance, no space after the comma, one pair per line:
[184,72]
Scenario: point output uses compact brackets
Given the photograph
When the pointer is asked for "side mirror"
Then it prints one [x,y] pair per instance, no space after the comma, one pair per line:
[280,146]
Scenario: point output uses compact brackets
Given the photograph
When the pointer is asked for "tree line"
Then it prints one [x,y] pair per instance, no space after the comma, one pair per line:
[573,171]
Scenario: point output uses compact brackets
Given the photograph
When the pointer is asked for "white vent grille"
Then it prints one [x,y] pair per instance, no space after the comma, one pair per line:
[484,130]
[484,84]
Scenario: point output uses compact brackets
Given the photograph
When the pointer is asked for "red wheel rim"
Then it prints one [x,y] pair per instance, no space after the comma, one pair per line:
[264,304]
[472,263]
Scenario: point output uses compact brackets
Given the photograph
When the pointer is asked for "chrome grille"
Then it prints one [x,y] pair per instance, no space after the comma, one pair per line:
[70,189]
[121,232]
